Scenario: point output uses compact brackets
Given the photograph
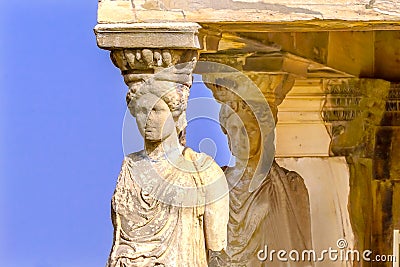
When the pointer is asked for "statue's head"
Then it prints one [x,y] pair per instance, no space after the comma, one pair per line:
[159,108]
[239,123]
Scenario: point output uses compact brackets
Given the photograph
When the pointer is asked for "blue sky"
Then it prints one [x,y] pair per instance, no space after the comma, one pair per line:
[62,107]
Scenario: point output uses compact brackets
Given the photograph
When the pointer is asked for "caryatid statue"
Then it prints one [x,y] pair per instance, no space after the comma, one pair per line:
[269,205]
[170,206]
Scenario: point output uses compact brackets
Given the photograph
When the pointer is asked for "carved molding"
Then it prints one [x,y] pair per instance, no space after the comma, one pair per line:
[392,109]
[145,60]
[353,110]
[271,78]
[342,100]
[301,131]
[274,87]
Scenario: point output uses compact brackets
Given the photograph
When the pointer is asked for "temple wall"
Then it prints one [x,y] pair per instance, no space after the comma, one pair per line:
[303,146]
[327,181]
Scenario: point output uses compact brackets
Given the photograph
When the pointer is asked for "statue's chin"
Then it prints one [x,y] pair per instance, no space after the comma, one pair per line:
[152,139]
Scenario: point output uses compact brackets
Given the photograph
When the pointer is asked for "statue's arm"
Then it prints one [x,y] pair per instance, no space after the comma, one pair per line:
[115,217]
[116,221]
[216,214]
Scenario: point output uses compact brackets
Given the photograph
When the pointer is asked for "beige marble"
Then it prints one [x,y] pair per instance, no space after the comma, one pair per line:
[111,11]
[301,131]
[170,206]
[267,209]
[328,183]
[336,136]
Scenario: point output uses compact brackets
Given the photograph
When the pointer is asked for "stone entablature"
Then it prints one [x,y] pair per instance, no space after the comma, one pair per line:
[378,14]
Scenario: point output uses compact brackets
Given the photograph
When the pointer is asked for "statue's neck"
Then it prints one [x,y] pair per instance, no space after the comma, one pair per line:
[168,148]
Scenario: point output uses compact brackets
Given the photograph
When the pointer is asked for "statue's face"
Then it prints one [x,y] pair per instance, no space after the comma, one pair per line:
[154,118]
[243,136]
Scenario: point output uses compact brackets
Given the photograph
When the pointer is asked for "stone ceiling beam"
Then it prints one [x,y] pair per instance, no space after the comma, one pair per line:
[364,54]
[276,62]
[305,15]
[303,26]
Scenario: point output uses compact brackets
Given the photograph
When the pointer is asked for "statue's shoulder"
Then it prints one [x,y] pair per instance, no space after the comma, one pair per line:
[132,164]
[135,156]
[132,161]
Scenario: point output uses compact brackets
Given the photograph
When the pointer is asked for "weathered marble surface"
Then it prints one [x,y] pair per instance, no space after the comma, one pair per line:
[170,206]
[111,11]
[275,213]
[328,183]
[173,35]
[308,39]
[149,232]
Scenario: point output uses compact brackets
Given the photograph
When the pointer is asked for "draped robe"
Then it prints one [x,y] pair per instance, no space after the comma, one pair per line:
[276,215]
[151,232]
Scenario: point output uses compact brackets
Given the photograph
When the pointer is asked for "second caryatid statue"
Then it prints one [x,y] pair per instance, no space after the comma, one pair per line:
[269,205]
[170,207]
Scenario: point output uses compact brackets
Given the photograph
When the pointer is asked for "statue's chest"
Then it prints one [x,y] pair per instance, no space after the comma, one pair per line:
[167,183]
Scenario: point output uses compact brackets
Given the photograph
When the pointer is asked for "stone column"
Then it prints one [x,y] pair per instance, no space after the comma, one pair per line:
[386,174]
[354,111]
